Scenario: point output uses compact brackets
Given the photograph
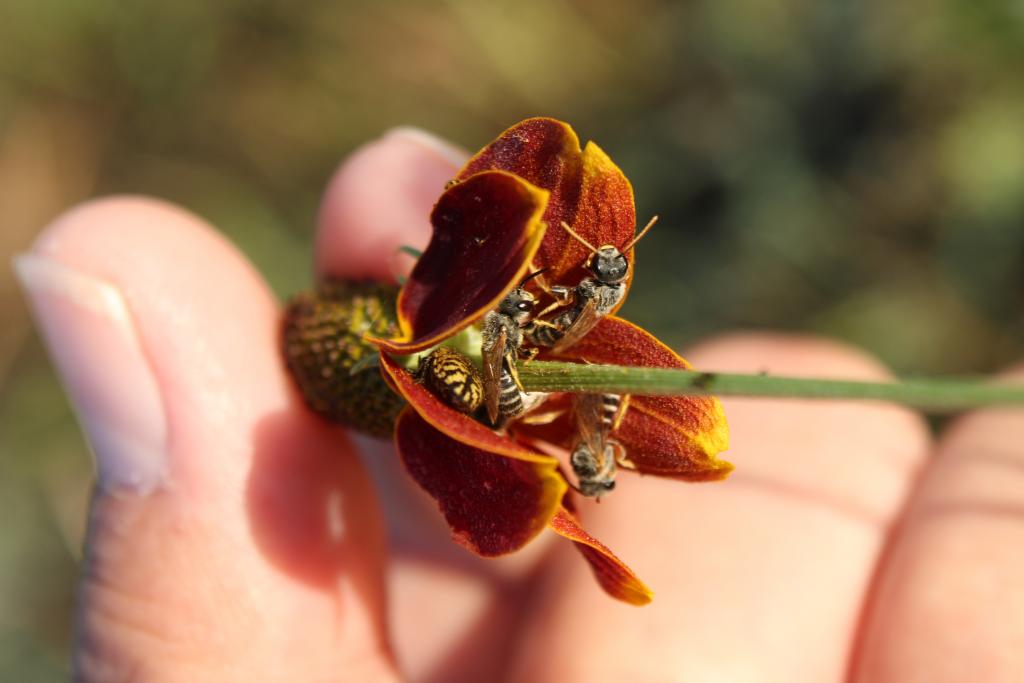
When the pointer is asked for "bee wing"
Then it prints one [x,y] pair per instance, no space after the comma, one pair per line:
[585,322]
[493,356]
[587,413]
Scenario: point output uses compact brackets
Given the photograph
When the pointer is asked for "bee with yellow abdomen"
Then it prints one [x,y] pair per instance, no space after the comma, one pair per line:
[453,378]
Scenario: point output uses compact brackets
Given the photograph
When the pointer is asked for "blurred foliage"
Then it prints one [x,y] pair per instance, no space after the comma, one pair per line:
[853,169]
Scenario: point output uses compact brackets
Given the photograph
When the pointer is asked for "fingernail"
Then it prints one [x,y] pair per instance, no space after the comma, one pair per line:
[456,156]
[92,339]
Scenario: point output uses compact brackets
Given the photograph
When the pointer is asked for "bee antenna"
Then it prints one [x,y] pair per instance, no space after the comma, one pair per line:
[532,275]
[650,224]
[572,232]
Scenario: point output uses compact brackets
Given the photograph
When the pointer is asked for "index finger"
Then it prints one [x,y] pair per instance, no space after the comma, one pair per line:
[379,200]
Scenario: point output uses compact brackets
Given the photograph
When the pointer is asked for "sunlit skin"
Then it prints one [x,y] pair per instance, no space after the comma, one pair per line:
[792,570]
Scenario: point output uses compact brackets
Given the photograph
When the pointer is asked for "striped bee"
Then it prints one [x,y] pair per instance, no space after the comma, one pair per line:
[502,333]
[453,378]
[595,453]
[590,300]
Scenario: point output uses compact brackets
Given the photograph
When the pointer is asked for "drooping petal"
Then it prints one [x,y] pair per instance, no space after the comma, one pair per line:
[588,191]
[615,577]
[494,504]
[487,230]
[458,426]
[676,436]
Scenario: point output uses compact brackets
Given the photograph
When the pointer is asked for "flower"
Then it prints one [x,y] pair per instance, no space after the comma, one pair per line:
[498,491]
[487,229]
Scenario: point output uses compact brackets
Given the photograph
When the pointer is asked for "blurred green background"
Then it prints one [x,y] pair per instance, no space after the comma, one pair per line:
[853,169]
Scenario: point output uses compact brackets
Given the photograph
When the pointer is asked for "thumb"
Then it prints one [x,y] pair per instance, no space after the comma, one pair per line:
[232,536]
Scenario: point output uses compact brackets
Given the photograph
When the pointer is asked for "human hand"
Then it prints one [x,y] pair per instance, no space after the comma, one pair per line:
[236,536]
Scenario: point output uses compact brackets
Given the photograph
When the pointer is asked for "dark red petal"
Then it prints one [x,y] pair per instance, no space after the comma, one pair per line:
[677,436]
[588,191]
[494,505]
[615,577]
[456,425]
[487,230]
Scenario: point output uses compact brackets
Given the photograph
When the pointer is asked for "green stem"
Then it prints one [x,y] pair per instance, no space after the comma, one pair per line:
[935,395]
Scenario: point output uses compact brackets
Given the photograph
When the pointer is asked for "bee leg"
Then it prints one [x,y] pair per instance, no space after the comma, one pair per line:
[530,331]
[541,281]
[621,414]
[526,355]
[562,295]
[622,457]
[510,364]
[543,323]
[548,309]
[542,418]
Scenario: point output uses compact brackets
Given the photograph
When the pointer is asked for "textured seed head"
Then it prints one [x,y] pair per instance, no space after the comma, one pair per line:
[328,358]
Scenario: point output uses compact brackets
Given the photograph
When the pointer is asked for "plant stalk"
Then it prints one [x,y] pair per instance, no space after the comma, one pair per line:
[932,395]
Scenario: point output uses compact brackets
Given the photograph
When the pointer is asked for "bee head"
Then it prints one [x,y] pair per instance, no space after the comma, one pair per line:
[596,489]
[518,305]
[609,265]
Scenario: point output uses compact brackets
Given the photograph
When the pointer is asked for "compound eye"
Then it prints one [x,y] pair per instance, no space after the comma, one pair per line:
[525,306]
[609,485]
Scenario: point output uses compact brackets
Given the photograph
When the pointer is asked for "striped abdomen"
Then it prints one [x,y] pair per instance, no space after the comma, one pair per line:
[609,409]
[510,402]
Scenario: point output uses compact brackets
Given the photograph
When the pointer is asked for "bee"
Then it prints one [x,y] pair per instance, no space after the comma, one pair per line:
[502,345]
[595,454]
[452,377]
[590,300]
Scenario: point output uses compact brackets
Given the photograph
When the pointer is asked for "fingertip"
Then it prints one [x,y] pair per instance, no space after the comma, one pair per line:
[109,213]
[380,199]
[147,312]
[224,506]
[447,151]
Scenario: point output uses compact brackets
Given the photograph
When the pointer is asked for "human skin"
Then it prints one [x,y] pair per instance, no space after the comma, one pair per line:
[234,536]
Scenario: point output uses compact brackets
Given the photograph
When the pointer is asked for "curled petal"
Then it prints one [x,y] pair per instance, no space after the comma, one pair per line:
[494,505]
[615,578]
[588,191]
[487,230]
[456,425]
[676,436]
